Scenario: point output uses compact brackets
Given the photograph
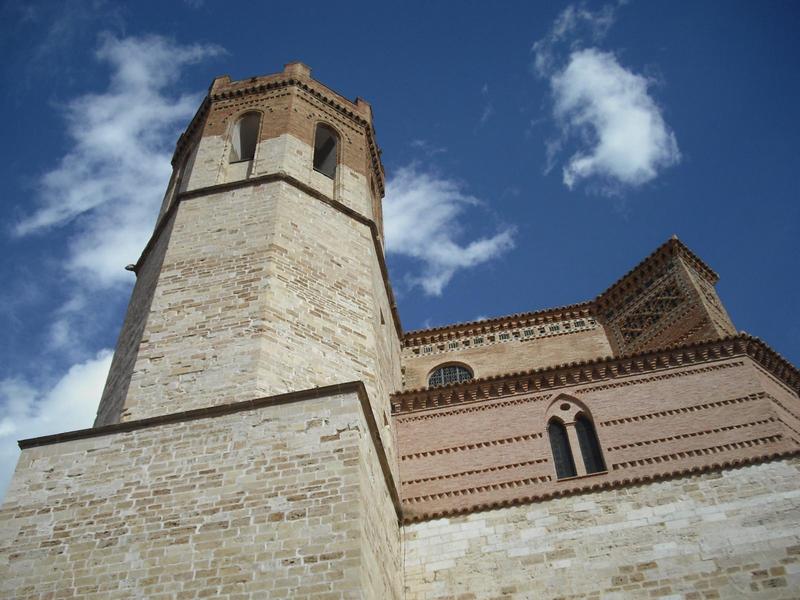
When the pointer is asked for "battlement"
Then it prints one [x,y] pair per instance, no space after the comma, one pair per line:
[293,73]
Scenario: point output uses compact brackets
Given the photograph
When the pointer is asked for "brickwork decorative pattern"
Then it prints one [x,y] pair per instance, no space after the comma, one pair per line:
[455,458]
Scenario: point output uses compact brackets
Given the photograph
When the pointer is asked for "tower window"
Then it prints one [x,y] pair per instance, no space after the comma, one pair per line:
[325,142]
[244,137]
[562,453]
[590,446]
[449,374]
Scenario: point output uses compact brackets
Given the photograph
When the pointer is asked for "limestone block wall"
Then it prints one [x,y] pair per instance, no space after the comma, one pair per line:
[326,308]
[200,345]
[262,290]
[728,534]
[284,500]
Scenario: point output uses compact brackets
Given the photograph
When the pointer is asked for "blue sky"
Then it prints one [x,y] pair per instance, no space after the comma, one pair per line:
[534,151]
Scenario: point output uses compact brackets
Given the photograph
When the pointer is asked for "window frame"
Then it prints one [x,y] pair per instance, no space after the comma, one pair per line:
[237,123]
[450,365]
[561,449]
[334,133]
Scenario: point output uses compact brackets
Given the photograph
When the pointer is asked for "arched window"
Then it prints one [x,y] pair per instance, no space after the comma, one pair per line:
[562,453]
[244,137]
[325,142]
[590,446]
[449,374]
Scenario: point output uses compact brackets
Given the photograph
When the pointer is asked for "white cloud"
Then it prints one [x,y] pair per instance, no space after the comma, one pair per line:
[606,109]
[107,187]
[610,109]
[422,214]
[28,411]
[114,175]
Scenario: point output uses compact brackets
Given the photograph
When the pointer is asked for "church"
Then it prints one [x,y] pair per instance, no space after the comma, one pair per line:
[269,430]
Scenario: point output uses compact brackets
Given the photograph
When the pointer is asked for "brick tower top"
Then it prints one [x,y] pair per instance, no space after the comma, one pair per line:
[224,142]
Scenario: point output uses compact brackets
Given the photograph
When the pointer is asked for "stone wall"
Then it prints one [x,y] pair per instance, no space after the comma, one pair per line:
[729,534]
[283,501]
[262,290]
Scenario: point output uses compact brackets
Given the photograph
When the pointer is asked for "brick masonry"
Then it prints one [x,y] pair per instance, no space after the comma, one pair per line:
[484,444]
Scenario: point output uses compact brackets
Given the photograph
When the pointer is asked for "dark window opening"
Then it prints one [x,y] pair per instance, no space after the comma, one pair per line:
[325,142]
[562,453]
[451,374]
[590,446]
[244,137]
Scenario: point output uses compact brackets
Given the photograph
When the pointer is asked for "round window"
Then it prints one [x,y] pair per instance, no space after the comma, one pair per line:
[449,374]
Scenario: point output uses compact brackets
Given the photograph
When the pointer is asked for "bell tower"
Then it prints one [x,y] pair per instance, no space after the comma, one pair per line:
[265,272]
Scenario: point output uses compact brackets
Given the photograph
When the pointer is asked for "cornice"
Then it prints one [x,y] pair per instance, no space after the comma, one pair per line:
[422,336]
[597,370]
[589,485]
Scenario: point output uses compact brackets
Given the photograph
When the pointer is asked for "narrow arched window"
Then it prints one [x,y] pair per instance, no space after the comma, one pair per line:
[562,453]
[325,143]
[244,137]
[449,374]
[590,446]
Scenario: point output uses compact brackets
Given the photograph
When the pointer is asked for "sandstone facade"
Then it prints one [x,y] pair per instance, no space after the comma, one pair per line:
[268,430]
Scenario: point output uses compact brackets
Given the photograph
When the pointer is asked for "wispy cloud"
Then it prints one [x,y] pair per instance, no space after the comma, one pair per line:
[102,194]
[619,135]
[572,28]
[422,214]
[427,148]
[118,164]
[488,108]
[27,410]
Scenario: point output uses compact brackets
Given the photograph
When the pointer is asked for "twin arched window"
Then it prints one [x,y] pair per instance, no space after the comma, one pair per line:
[563,455]
[244,137]
[449,374]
